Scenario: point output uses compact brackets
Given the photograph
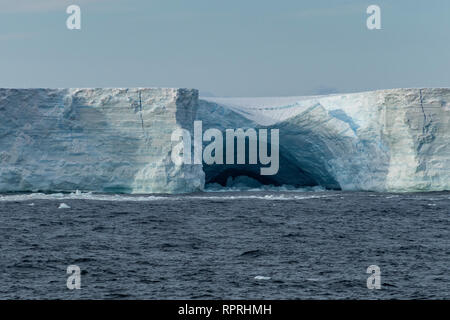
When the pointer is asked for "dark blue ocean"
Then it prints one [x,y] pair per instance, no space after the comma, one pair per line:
[306,245]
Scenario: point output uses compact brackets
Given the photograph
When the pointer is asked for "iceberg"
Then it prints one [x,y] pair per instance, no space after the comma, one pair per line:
[63,206]
[101,140]
[119,140]
[394,140]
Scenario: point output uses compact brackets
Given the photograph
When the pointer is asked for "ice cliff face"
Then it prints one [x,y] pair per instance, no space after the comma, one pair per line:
[107,140]
[119,140]
[390,140]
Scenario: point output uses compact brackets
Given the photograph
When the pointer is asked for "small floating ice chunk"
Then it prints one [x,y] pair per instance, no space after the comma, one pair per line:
[31,204]
[262,278]
[63,206]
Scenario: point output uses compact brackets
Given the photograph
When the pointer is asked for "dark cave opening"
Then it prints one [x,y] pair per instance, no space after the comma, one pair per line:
[223,177]
[290,173]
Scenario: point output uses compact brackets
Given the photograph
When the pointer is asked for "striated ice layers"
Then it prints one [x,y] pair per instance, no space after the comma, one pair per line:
[118,140]
[106,140]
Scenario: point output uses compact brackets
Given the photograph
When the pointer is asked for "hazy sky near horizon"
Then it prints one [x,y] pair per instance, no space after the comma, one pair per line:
[227,48]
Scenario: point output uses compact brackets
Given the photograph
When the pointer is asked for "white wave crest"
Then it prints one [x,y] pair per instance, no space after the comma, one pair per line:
[137,198]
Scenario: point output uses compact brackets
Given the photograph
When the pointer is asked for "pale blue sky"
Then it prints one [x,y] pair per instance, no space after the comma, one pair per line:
[228,48]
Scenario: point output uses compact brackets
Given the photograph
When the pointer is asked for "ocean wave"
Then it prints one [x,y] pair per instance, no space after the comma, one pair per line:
[144,198]
[214,187]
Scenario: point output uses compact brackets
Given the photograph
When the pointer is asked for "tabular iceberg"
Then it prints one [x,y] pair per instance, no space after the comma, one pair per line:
[119,140]
[106,140]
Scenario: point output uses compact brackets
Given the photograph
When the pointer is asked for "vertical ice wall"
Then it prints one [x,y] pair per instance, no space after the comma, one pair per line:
[387,140]
[110,140]
[118,140]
